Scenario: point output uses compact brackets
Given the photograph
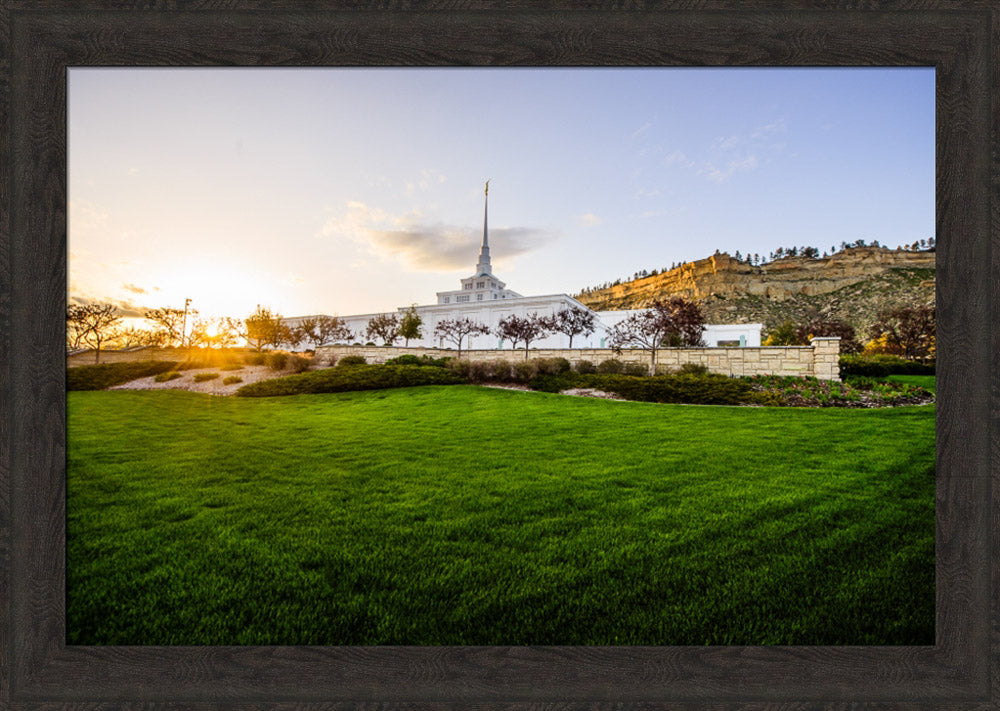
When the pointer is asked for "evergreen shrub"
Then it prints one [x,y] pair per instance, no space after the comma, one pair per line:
[231,379]
[164,377]
[298,364]
[611,366]
[104,375]
[202,377]
[359,377]
[231,366]
[881,365]
[693,369]
[351,360]
[631,368]
[585,367]
[410,359]
[551,366]
[255,359]
[276,360]
[523,371]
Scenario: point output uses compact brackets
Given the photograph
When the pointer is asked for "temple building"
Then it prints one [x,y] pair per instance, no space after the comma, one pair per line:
[485,298]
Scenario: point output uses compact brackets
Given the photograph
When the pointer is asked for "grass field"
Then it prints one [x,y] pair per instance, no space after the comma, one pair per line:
[474,516]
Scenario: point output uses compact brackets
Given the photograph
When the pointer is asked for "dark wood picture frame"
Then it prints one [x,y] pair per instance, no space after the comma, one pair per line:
[39,39]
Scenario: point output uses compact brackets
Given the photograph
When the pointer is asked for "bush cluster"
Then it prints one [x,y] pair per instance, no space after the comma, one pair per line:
[298,364]
[202,377]
[496,371]
[232,366]
[879,366]
[231,379]
[857,391]
[584,367]
[410,359]
[351,360]
[358,377]
[164,377]
[705,389]
[276,360]
[255,358]
[105,375]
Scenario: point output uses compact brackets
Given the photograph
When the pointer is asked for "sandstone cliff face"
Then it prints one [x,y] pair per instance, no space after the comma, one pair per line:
[722,276]
[852,286]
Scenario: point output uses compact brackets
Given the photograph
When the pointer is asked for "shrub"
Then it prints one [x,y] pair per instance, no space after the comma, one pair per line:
[554,383]
[499,370]
[255,359]
[201,377]
[298,364]
[359,377]
[231,366]
[708,389]
[461,368]
[585,367]
[523,371]
[479,371]
[610,366]
[351,360]
[879,366]
[551,366]
[276,360]
[693,369]
[630,368]
[410,359]
[105,375]
[231,379]
[164,377]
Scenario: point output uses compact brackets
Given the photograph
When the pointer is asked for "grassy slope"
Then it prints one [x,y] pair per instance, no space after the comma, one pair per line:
[460,515]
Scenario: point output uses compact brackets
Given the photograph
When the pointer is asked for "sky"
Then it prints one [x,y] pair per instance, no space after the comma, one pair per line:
[350,190]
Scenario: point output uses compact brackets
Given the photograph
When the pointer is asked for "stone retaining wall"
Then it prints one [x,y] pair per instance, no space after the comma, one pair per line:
[819,359]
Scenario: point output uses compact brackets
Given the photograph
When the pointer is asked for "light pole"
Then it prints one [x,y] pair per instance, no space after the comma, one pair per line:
[187,302]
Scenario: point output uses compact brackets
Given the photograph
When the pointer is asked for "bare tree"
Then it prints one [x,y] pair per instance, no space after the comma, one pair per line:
[94,325]
[170,323]
[131,337]
[525,329]
[455,330]
[384,326]
[572,322]
[674,321]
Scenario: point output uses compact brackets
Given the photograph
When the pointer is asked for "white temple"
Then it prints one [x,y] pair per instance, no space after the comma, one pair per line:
[484,298]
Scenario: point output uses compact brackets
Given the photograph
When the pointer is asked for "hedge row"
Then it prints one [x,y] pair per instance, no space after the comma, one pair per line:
[106,375]
[879,366]
[357,377]
[689,388]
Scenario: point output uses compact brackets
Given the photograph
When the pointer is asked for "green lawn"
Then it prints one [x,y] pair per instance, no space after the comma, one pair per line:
[923,381]
[475,516]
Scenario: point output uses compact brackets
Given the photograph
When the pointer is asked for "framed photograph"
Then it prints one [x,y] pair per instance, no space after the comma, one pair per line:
[499,581]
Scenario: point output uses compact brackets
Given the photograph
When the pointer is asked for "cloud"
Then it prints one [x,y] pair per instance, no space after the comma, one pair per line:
[429,246]
[427,179]
[642,129]
[724,173]
[589,219]
[134,289]
[446,247]
[123,307]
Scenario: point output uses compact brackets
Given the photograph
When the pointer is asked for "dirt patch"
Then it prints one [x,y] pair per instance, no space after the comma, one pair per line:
[249,374]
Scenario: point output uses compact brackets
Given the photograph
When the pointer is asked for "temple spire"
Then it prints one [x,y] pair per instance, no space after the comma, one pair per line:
[483,267]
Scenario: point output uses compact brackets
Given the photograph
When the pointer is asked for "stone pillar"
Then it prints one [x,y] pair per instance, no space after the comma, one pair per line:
[826,358]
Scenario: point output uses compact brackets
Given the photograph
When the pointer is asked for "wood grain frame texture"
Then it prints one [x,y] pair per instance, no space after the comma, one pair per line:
[41,38]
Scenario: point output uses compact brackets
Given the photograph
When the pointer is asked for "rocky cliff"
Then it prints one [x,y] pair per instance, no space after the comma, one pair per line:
[852,285]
